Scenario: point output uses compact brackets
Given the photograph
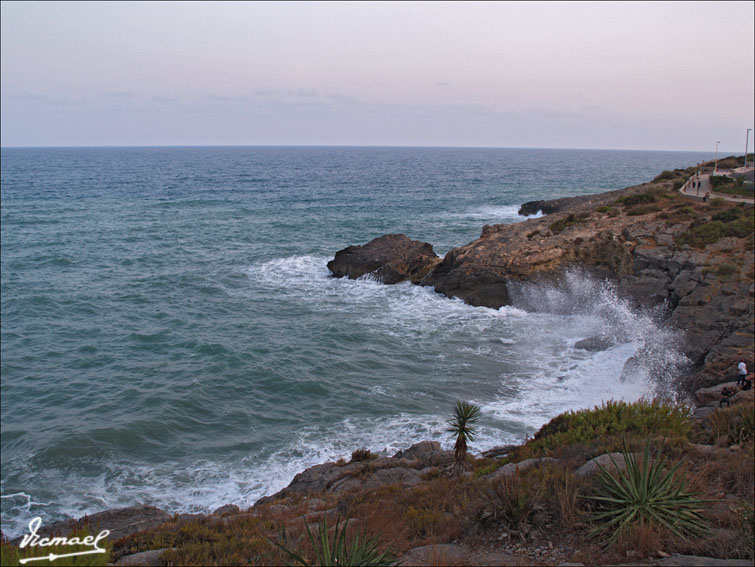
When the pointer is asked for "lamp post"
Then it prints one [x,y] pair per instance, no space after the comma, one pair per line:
[715,165]
[747,139]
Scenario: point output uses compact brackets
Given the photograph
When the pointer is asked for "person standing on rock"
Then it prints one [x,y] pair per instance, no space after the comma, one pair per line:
[742,378]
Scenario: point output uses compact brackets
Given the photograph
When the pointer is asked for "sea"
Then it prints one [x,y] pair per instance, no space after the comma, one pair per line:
[171,334]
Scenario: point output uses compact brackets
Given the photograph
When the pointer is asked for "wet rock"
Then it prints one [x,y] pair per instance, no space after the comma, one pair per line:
[594,344]
[498,452]
[391,259]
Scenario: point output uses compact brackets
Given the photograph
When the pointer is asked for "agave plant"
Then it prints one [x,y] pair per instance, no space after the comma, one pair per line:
[360,551]
[464,415]
[647,492]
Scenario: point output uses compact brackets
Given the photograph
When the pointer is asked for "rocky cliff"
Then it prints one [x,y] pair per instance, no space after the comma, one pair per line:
[658,247]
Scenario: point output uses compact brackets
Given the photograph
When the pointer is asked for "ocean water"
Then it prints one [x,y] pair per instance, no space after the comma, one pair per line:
[171,336]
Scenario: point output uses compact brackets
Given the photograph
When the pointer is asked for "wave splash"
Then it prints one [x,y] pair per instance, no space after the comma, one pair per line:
[658,358]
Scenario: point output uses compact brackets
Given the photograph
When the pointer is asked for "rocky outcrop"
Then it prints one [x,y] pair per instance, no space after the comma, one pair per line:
[390,259]
[707,292]
[405,468]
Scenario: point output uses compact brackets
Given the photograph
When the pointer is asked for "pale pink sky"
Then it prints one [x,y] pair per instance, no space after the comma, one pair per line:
[676,76]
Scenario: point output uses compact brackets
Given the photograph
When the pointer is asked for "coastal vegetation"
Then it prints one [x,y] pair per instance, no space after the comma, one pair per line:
[536,495]
[460,426]
[616,482]
[646,494]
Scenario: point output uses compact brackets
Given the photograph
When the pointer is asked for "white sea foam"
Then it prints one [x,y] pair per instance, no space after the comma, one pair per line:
[498,214]
[519,363]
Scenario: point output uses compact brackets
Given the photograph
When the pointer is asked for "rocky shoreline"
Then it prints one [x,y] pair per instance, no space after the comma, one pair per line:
[638,237]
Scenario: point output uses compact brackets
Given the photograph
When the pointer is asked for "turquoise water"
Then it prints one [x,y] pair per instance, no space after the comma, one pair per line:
[170,334]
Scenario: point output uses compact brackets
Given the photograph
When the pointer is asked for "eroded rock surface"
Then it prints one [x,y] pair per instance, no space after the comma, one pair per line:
[391,259]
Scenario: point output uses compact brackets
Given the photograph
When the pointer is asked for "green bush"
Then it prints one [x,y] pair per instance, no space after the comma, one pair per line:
[338,551]
[726,270]
[564,223]
[612,418]
[701,235]
[646,493]
[720,180]
[638,199]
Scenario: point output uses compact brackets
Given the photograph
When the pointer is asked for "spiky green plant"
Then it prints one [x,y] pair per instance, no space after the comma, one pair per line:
[459,426]
[359,552]
[647,492]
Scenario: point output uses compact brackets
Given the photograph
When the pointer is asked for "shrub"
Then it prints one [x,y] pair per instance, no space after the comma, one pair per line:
[736,190]
[664,176]
[361,455]
[564,223]
[720,180]
[646,494]
[701,235]
[727,216]
[725,270]
[608,423]
[732,426]
[643,210]
[677,184]
[338,552]
[509,499]
[638,199]
[740,228]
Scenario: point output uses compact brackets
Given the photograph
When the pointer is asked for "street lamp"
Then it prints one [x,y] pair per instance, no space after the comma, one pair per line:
[747,139]
[715,165]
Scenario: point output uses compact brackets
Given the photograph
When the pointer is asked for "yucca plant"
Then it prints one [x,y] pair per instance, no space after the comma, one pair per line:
[459,426]
[646,492]
[360,551]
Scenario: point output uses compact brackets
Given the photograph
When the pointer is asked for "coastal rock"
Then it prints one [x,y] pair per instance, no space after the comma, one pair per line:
[705,293]
[705,396]
[391,259]
[606,461]
[227,510]
[406,468]
[594,344]
[426,453]
[512,468]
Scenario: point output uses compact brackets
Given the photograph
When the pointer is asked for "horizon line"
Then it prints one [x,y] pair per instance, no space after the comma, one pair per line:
[374,146]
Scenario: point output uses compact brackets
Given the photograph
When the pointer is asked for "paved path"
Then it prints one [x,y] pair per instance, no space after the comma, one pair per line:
[704,188]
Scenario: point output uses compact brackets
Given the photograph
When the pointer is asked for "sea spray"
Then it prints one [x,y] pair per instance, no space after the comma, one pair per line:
[658,358]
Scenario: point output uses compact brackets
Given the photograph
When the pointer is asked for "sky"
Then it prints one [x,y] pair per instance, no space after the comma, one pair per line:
[613,75]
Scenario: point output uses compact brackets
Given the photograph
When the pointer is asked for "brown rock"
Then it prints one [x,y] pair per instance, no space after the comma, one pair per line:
[391,259]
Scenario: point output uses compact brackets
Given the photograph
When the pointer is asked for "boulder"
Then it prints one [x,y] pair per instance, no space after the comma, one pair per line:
[705,396]
[426,453]
[591,467]
[406,468]
[512,468]
[390,259]
[227,510]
